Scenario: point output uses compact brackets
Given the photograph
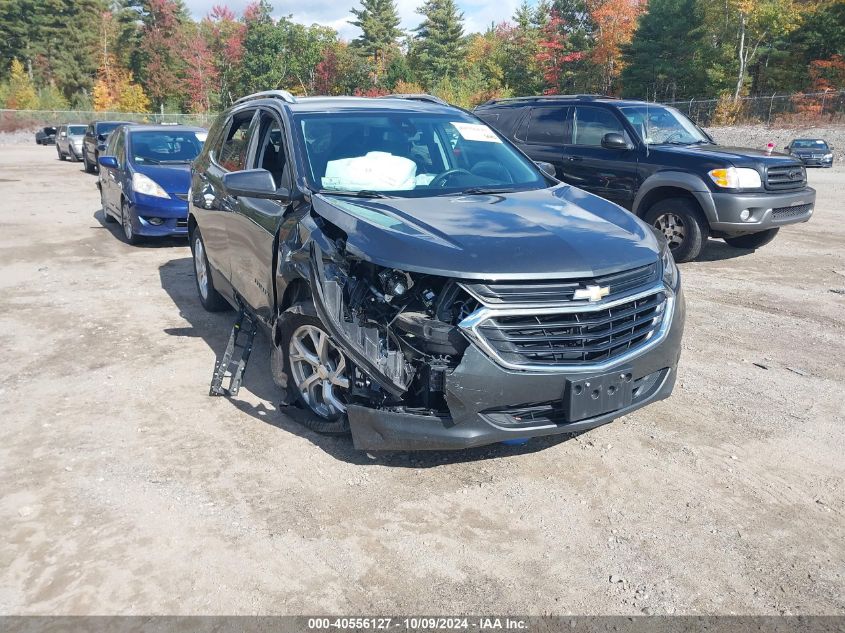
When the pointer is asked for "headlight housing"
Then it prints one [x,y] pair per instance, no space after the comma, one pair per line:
[828,156]
[147,186]
[671,274]
[736,178]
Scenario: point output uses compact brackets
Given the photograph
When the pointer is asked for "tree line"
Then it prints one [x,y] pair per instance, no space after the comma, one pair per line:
[150,55]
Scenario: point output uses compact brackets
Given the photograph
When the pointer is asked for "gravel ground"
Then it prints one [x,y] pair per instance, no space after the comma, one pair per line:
[759,135]
[126,489]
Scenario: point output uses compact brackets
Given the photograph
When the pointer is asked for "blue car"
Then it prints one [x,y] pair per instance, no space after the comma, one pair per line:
[145,173]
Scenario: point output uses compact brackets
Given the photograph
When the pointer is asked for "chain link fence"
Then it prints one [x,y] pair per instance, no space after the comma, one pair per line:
[774,110]
[12,120]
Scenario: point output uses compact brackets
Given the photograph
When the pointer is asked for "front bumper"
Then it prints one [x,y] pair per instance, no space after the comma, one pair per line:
[488,403]
[172,212]
[768,210]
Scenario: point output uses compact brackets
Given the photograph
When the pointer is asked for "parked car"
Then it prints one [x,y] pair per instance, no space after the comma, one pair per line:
[811,151]
[95,140]
[45,136]
[654,161]
[144,179]
[425,285]
[69,140]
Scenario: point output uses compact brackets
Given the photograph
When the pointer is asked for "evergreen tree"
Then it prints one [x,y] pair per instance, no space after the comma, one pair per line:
[379,24]
[438,47]
[663,62]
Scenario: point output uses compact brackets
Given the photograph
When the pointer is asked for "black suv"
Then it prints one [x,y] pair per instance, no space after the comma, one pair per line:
[654,161]
[95,140]
[422,282]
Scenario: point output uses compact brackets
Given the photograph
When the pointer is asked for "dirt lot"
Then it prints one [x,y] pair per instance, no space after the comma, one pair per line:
[126,489]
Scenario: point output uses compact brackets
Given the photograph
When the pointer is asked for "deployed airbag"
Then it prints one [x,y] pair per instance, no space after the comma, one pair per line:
[379,171]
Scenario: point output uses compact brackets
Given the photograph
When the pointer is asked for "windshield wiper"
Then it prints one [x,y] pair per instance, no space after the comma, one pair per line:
[482,190]
[362,193]
[151,161]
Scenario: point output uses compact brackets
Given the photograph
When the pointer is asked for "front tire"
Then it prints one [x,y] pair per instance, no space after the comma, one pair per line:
[318,373]
[89,168]
[59,152]
[211,300]
[682,223]
[753,240]
[129,235]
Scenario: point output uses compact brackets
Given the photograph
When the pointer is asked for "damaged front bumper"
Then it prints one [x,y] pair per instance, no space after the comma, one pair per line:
[490,403]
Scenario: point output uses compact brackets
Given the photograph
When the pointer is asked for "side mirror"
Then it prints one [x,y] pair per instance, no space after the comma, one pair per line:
[614,140]
[109,162]
[254,183]
[546,168]
[101,138]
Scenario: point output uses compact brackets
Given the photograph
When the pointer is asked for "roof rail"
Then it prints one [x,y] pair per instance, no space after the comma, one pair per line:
[415,97]
[284,95]
[582,97]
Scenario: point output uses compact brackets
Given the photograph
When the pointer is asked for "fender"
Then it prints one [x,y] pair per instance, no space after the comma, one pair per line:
[691,183]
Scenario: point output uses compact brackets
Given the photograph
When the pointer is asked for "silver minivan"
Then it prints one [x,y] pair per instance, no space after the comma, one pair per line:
[69,141]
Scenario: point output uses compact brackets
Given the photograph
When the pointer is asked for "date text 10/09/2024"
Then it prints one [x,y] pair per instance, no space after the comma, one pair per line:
[417,624]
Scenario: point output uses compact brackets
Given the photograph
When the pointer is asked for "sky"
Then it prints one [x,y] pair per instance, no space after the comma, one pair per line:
[478,14]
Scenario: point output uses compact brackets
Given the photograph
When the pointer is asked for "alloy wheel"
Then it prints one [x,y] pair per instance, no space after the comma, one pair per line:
[200,267]
[318,369]
[126,221]
[673,229]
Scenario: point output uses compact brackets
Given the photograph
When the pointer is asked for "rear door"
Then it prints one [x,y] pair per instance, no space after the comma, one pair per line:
[544,133]
[609,173]
[229,153]
[255,221]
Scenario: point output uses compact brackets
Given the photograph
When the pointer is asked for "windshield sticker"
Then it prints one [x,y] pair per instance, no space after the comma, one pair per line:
[476,132]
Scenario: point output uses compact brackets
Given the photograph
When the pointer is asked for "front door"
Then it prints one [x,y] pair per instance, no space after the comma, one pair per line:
[609,173]
[255,222]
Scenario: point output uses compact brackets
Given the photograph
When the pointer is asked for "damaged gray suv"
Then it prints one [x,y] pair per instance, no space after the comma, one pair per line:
[424,284]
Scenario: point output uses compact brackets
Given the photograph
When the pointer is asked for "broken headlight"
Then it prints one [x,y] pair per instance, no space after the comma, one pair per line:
[671,274]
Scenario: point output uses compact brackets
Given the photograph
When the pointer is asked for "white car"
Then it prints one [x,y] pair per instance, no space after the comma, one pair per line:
[69,141]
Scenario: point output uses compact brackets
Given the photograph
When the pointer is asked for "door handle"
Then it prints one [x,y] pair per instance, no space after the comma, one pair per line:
[574,159]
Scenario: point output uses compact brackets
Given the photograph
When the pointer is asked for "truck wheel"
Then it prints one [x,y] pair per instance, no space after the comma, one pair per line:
[318,372]
[211,300]
[753,240]
[682,223]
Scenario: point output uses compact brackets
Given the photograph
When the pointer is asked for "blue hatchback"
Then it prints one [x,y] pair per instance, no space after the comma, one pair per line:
[145,173]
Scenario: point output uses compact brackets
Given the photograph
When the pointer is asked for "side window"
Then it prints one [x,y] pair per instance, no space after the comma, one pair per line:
[90,130]
[232,153]
[549,126]
[270,154]
[591,124]
[120,147]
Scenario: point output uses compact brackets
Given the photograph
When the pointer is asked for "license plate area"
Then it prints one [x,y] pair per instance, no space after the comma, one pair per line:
[596,395]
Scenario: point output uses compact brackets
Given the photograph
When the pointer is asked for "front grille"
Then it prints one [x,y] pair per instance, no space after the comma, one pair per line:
[787,213]
[181,224]
[785,177]
[537,292]
[571,338]
[181,196]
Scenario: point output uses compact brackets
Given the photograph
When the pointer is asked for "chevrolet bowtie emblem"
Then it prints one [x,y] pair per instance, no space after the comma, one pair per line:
[591,293]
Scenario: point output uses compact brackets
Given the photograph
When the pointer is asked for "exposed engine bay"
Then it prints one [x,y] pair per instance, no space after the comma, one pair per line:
[401,328]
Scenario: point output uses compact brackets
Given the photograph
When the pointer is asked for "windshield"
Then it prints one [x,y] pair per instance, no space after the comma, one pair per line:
[658,125]
[410,154]
[809,144]
[76,130]
[164,147]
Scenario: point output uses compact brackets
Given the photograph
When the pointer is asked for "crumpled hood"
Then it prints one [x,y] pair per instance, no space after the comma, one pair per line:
[172,178]
[552,233]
